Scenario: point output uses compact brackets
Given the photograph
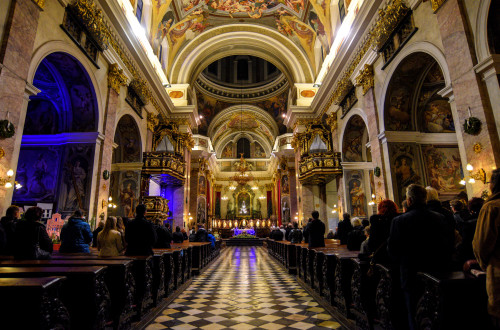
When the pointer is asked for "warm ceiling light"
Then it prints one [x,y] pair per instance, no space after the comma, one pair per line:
[469,167]
[10,173]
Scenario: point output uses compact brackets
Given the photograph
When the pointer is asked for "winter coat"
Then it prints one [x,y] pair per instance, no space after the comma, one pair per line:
[164,237]
[355,238]
[178,237]
[295,236]
[9,227]
[486,245]
[140,236]
[29,235]
[111,245]
[317,234]
[75,236]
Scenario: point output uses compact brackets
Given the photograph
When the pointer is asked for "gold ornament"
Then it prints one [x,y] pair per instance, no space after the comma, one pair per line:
[39,3]
[436,4]
[92,18]
[116,78]
[477,148]
[153,121]
[365,78]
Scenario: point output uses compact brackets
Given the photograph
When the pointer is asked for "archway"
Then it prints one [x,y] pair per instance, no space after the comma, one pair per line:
[126,168]
[59,138]
[420,130]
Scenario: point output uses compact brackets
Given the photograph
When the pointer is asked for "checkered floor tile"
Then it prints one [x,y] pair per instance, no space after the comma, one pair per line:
[244,289]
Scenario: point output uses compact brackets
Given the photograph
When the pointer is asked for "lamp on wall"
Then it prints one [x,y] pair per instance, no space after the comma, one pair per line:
[480,175]
[335,209]
[111,205]
[373,201]
[224,198]
[8,181]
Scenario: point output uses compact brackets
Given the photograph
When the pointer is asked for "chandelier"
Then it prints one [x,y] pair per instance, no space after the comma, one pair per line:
[242,177]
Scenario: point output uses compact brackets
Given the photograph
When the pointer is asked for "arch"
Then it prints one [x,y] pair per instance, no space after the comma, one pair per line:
[354,140]
[481,41]
[345,120]
[241,39]
[243,147]
[418,47]
[232,138]
[128,138]
[63,47]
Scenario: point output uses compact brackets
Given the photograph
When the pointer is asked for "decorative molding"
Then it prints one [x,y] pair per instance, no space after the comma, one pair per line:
[40,3]
[153,121]
[387,22]
[436,4]
[92,18]
[331,120]
[116,78]
[366,78]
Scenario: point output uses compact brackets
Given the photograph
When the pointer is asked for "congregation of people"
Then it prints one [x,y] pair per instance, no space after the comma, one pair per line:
[427,235]
[27,238]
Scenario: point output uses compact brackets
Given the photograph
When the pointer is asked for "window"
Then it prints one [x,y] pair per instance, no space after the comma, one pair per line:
[341,10]
[138,10]
[243,147]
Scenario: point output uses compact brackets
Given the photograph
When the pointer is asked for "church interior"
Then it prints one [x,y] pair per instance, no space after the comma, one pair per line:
[241,117]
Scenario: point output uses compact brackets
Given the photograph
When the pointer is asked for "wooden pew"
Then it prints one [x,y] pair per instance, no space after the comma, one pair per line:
[453,300]
[199,256]
[142,269]
[363,288]
[118,278]
[32,303]
[342,281]
[84,292]
[391,310]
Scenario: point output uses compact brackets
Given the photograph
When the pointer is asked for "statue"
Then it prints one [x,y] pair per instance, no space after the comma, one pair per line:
[257,205]
[243,208]
[286,212]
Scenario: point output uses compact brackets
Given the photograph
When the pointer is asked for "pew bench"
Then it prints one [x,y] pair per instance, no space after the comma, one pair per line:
[32,303]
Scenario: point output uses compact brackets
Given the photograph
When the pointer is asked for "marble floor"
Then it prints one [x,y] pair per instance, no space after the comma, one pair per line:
[244,289]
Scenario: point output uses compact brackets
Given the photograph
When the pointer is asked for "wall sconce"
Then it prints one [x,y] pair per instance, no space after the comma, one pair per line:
[110,204]
[373,201]
[262,197]
[335,209]
[224,198]
[479,175]
[8,181]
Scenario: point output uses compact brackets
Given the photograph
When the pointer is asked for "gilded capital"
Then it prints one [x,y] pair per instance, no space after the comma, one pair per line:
[436,4]
[331,120]
[365,78]
[153,121]
[116,78]
[39,3]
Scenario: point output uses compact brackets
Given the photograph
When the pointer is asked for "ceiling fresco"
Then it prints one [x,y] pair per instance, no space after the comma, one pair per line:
[175,23]
[209,107]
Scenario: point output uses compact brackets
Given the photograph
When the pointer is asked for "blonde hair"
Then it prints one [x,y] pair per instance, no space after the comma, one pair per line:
[432,194]
[355,222]
[108,226]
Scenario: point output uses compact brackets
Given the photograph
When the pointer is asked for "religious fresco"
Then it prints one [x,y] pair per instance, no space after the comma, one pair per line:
[356,193]
[128,139]
[38,173]
[227,152]
[128,193]
[202,185]
[41,118]
[443,168]
[201,210]
[209,107]
[77,176]
[399,112]
[285,185]
[405,167]
[354,140]
[259,151]
[242,120]
[285,209]
[175,23]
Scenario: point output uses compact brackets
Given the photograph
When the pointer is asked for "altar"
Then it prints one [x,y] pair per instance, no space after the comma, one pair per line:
[245,231]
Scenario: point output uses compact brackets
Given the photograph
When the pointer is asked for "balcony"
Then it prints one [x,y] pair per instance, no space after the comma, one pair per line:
[164,163]
[319,168]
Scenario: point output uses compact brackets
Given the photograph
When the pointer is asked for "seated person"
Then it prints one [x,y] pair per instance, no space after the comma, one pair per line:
[31,240]
[356,236]
[164,237]
[211,239]
[201,235]
[365,248]
[76,235]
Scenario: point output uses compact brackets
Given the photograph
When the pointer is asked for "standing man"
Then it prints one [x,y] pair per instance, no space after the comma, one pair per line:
[316,231]
[408,232]
[140,234]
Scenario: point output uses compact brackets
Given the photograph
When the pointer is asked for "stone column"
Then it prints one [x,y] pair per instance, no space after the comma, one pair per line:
[116,79]
[468,89]
[15,58]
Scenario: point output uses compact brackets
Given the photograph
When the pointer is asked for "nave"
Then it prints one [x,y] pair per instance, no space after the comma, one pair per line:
[244,289]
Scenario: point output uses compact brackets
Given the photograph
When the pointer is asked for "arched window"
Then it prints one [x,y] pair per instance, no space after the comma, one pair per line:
[243,147]
[138,10]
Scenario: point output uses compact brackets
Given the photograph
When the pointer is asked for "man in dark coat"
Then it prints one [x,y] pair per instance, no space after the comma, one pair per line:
[9,226]
[277,234]
[177,236]
[316,231]
[201,235]
[96,232]
[306,230]
[344,228]
[140,234]
[163,236]
[416,243]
